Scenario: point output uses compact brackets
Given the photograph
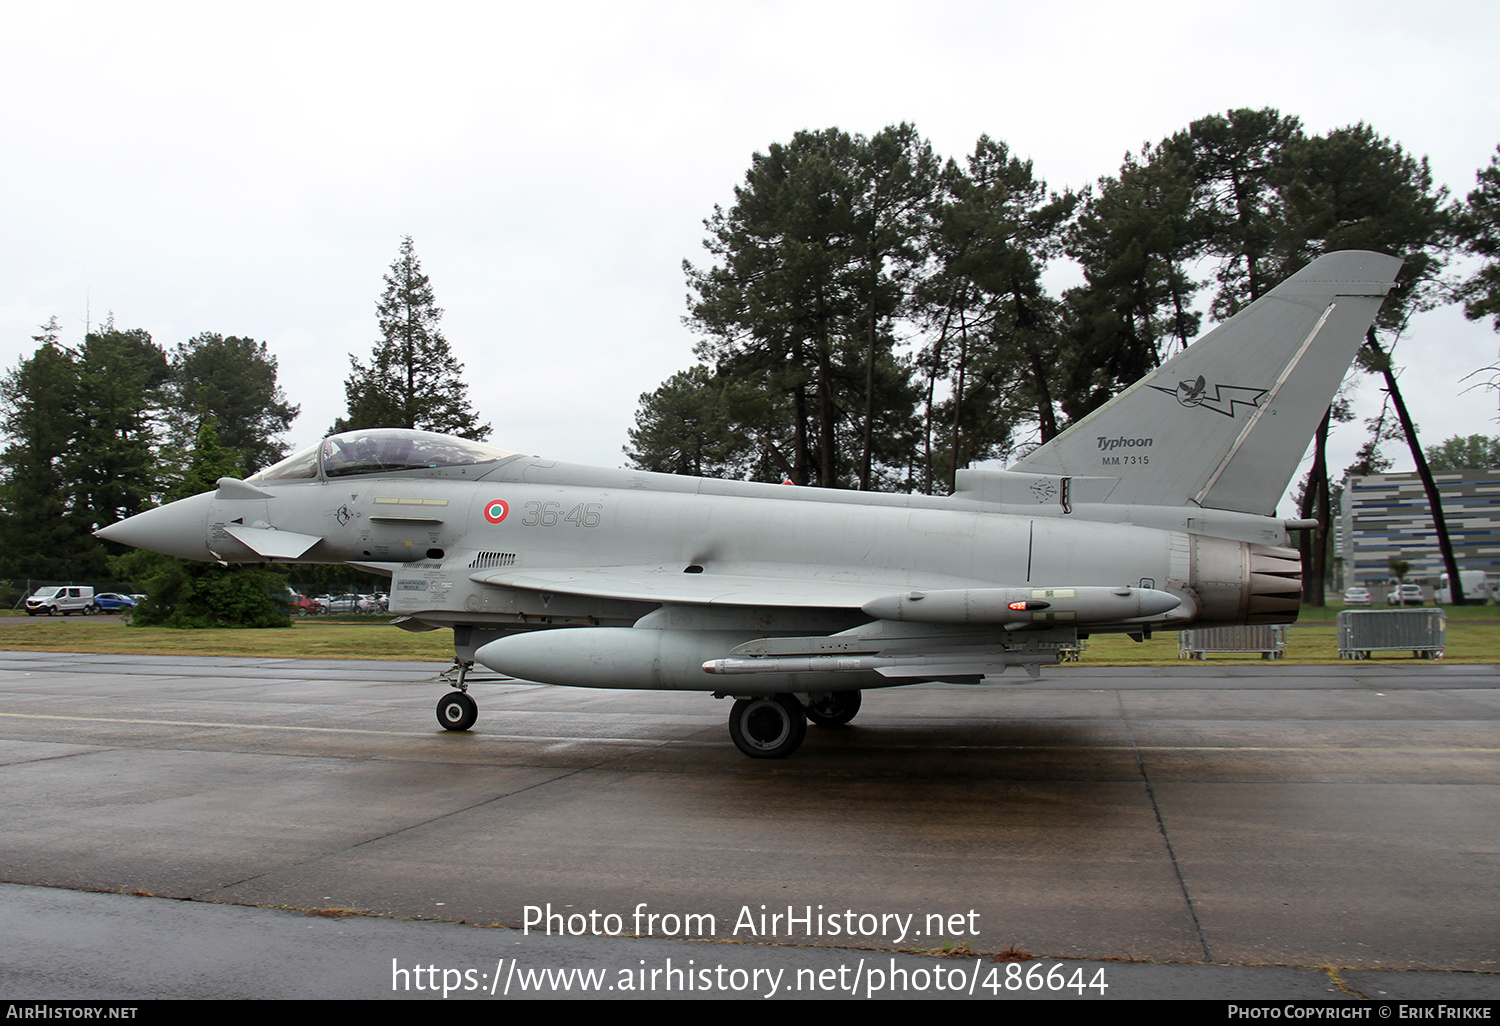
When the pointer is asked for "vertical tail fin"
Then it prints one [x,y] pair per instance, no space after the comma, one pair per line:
[1224,423]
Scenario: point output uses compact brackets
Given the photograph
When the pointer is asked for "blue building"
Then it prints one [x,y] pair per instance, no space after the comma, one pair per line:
[1386,517]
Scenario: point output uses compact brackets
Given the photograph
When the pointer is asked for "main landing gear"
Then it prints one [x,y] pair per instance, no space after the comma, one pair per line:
[774,726]
[834,708]
[762,726]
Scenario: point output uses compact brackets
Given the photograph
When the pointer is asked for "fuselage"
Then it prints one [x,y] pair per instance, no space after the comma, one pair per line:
[438,531]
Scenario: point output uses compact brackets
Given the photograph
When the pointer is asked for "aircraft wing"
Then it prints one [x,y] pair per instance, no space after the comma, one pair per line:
[770,585]
[928,598]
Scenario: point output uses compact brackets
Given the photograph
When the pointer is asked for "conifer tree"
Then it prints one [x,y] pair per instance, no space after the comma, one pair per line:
[43,534]
[113,464]
[809,275]
[81,452]
[687,426]
[1464,453]
[1479,227]
[412,380]
[233,381]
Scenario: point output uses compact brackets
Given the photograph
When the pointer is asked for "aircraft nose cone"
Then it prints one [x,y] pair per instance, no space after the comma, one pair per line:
[176,529]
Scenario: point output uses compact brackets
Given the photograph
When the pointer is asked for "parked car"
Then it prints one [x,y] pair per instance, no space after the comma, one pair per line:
[67,599]
[1405,595]
[113,602]
[302,604]
[373,604]
[1357,596]
[340,603]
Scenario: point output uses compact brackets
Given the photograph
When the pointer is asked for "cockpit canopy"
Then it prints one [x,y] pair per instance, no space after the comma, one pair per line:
[381,451]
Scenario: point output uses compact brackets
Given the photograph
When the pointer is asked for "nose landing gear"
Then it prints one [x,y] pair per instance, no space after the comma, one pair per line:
[457,711]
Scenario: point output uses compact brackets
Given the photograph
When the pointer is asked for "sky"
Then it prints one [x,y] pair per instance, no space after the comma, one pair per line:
[252,169]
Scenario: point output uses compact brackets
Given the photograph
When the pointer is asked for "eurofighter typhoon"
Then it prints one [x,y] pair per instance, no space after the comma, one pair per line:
[1156,511]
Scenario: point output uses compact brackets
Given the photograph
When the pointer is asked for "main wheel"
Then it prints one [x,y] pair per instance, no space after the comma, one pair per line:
[457,711]
[768,727]
[834,709]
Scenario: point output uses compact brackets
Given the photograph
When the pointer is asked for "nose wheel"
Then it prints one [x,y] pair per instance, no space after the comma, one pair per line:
[457,711]
[768,726]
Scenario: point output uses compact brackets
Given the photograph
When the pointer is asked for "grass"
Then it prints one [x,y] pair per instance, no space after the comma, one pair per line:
[315,640]
[1473,637]
[1311,644]
[1330,612]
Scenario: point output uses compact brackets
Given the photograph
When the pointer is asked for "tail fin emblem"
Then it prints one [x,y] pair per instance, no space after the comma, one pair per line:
[1223,400]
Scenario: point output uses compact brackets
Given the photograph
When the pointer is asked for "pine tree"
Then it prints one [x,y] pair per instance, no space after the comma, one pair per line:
[1237,161]
[809,274]
[1135,240]
[233,381]
[412,380]
[997,340]
[113,464]
[686,427]
[43,534]
[1460,453]
[81,453]
[1479,228]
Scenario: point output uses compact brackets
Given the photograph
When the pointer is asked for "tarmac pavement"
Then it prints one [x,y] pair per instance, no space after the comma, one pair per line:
[1205,831]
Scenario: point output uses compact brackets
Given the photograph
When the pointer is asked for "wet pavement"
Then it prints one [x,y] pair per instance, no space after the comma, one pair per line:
[1235,829]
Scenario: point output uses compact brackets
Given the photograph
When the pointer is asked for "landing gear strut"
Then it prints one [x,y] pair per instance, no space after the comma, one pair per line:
[768,726]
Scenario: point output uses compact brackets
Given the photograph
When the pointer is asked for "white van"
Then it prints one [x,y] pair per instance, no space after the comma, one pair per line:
[1477,589]
[67,599]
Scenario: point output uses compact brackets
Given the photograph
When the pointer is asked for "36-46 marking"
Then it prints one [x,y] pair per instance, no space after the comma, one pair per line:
[550,514]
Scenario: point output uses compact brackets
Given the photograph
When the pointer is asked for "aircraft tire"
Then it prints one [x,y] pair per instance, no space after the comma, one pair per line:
[768,726]
[457,711]
[835,708]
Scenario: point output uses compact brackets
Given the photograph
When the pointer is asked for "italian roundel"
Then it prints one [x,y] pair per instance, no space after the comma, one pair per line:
[495,510]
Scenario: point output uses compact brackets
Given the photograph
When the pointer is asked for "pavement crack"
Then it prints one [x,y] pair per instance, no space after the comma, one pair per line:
[92,750]
[1161,826]
[204,895]
[1335,978]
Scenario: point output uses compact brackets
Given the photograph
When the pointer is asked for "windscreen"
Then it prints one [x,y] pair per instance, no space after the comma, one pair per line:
[297,467]
[383,450]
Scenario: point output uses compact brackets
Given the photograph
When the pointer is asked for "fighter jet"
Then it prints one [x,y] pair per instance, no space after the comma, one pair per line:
[1157,511]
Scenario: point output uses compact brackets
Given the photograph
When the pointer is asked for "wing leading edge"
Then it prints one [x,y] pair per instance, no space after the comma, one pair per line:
[936,601]
[776,586]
